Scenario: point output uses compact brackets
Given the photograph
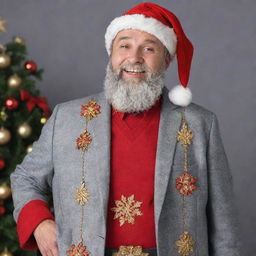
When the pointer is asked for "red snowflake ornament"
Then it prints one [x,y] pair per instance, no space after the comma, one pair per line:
[83,141]
[90,110]
[77,250]
[186,184]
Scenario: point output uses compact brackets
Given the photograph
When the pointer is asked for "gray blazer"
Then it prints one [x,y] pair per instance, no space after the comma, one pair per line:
[55,165]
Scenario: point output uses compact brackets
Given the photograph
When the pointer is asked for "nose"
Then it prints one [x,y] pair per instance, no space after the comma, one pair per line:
[135,56]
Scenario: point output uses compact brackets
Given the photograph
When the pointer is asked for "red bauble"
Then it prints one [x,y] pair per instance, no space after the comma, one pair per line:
[30,65]
[11,103]
[2,164]
[2,210]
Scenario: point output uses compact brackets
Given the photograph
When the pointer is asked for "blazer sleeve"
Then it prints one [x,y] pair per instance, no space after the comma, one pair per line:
[31,184]
[221,207]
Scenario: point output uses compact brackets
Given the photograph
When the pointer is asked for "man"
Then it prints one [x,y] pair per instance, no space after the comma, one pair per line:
[136,169]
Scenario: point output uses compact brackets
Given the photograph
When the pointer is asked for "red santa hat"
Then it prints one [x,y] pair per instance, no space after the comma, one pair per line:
[164,25]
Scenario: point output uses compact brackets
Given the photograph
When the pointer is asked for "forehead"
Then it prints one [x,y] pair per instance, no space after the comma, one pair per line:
[137,35]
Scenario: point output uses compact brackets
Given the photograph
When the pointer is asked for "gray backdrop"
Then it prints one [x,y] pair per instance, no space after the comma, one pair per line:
[66,38]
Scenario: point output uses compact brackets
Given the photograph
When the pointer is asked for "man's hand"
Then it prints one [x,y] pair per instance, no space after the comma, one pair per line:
[45,235]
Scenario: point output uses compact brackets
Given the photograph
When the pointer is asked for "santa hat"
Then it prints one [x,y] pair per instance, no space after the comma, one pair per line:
[164,25]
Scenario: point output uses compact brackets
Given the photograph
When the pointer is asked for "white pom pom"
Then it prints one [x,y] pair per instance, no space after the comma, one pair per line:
[180,96]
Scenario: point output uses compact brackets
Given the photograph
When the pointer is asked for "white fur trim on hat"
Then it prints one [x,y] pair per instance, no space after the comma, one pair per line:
[138,21]
[180,96]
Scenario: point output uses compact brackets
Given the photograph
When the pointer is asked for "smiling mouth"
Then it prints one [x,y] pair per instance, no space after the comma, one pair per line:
[134,72]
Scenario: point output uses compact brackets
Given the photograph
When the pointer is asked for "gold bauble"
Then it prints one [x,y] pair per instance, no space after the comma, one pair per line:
[6,253]
[43,120]
[2,48]
[3,115]
[5,191]
[19,40]
[14,81]
[2,27]
[24,130]
[5,60]
[29,148]
[5,136]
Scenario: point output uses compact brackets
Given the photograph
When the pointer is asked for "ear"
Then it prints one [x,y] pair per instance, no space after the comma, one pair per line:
[168,60]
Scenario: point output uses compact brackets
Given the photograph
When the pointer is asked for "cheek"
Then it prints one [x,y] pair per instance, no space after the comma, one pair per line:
[156,63]
[117,60]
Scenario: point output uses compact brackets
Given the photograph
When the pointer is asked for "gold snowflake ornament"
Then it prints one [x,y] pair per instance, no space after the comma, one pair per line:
[185,244]
[82,194]
[83,141]
[185,135]
[78,250]
[126,210]
[90,110]
[130,250]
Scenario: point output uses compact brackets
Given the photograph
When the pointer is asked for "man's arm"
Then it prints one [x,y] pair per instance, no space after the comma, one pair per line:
[31,182]
[221,210]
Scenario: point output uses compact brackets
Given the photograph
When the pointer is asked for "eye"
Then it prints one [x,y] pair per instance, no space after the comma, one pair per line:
[124,46]
[149,49]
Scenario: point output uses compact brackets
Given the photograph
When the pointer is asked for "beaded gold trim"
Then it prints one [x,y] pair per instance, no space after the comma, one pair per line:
[185,184]
[130,251]
[81,195]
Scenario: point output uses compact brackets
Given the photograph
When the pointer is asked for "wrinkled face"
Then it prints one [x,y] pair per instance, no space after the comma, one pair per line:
[137,55]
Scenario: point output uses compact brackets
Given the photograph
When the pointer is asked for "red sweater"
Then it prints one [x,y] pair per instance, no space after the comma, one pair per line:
[133,153]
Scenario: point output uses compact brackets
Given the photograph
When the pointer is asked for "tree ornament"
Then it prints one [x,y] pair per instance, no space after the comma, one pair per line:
[32,102]
[43,120]
[2,164]
[30,65]
[29,148]
[5,136]
[14,81]
[5,60]
[19,40]
[3,115]
[24,130]
[2,48]
[2,210]
[5,191]
[2,28]
[6,253]
[11,103]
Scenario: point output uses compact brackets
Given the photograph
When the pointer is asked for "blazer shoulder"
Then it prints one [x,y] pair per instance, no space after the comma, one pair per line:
[200,116]
[200,111]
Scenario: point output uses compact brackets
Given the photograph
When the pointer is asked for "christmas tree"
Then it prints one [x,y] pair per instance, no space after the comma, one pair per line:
[22,115]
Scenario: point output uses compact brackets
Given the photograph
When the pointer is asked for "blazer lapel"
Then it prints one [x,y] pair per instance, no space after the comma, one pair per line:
[169,124]
[100,153]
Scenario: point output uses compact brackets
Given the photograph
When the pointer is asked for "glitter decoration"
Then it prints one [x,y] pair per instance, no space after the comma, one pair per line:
[185,244]
[130,250]
[186,184]
[185,135]
[90,110]
[126,210]
[84,141]
[82,194]
[77,250]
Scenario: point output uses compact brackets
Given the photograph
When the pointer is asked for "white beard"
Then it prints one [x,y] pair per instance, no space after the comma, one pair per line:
[132,96]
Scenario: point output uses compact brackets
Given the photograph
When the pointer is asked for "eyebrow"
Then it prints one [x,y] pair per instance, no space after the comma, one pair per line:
[127,37]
